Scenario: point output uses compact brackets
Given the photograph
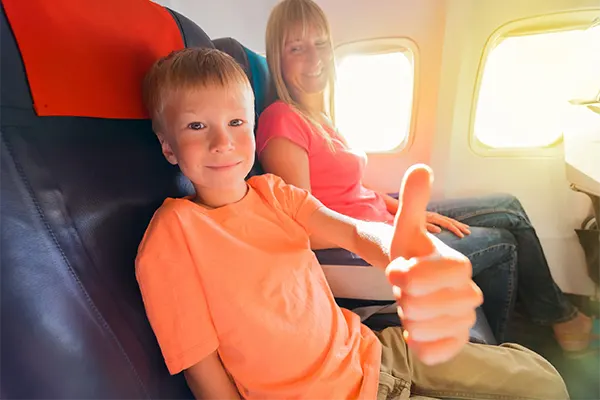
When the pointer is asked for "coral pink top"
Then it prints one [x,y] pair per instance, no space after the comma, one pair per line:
[335,174]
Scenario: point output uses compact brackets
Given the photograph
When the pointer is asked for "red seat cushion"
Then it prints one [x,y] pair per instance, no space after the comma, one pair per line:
[87,74]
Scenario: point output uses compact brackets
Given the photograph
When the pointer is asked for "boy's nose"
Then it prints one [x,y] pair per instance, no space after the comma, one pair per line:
[221,141]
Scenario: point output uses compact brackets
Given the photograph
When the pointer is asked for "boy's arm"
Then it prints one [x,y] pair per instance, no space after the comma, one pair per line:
[432,283]
[208,379]
[370,240]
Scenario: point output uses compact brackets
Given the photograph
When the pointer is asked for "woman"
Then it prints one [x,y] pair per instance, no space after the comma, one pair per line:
[297,141]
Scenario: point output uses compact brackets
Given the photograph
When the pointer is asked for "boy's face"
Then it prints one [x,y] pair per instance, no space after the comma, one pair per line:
[210,134]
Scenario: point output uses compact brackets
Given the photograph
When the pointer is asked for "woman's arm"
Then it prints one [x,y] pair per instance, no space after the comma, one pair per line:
[208,379]
[284,158]
[390,203]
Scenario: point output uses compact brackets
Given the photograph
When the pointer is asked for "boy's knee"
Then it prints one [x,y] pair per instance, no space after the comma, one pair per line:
[551,385]
[555,387]
[560,388]
[542,380]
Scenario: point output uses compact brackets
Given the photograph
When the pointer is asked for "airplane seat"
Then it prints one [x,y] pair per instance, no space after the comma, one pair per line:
[255,66]
[82,174]
[582,169]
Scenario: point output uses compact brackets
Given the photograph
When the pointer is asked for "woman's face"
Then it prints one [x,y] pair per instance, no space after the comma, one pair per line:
[306,60]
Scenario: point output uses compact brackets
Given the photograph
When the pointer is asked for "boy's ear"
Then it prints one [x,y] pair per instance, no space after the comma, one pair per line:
[166,149]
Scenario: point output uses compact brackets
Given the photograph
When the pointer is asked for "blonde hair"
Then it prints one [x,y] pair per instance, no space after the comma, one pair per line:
[188,69]
[285,16]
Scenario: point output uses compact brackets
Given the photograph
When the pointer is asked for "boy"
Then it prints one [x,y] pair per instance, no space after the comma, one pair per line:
[238,301]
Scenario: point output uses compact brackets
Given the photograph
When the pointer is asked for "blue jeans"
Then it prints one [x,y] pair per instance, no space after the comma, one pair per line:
[506,255]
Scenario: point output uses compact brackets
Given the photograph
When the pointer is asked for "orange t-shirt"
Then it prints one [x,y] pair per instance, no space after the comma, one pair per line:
[242,279]
[335,174]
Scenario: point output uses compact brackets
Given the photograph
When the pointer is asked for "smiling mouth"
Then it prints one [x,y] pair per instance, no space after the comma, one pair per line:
[223,167]
[315,74]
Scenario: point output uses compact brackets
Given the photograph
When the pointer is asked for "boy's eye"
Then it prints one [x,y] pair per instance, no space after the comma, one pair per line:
[196,126]
[236,122]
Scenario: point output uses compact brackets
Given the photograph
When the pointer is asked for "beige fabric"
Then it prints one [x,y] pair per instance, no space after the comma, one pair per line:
[421,398]
[508,371]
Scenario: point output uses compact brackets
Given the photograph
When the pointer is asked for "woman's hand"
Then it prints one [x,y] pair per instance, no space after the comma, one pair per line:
[434,221]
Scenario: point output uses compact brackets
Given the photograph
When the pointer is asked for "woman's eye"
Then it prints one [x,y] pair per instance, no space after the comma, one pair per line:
[236,122]
[196,126]
[295,49]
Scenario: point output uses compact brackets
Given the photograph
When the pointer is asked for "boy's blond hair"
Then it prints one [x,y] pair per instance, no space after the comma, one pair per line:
[188,69]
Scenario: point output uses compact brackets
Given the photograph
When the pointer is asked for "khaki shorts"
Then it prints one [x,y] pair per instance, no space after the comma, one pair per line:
[479,371]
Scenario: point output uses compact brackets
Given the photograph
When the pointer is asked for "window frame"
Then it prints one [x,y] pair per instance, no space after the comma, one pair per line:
[548,23]
[378,46]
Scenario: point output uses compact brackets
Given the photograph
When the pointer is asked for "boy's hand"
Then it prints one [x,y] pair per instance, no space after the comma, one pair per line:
[432,282]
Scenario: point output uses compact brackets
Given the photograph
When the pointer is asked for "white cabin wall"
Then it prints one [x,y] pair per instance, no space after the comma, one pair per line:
[538,181]
[244,20]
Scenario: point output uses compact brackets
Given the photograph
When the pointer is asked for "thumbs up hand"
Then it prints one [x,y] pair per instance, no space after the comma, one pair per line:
[432,282]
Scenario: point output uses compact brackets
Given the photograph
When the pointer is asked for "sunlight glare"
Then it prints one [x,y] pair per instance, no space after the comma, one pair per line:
[373,100]
[528,82]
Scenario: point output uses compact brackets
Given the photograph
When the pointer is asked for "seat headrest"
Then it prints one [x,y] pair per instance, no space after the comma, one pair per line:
[255,65]
[72,62]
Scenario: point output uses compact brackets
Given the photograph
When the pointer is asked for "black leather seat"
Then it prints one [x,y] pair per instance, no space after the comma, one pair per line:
[76,195]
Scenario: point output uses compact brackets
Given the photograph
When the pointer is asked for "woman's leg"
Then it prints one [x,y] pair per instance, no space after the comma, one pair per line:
[538,292]
[493,255]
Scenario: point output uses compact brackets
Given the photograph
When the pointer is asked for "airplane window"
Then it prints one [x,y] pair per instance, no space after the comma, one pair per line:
[527,84]
[373,99]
